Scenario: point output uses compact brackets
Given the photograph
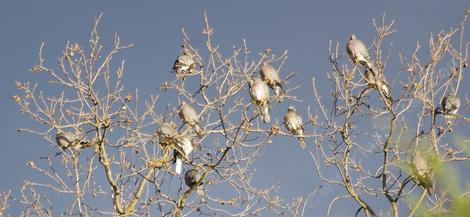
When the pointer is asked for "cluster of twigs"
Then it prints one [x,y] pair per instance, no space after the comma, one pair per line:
[357,141]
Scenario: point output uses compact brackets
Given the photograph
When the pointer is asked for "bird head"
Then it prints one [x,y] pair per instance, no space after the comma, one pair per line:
[256,79]
[193,176]
[291,109]
[182,103]
[265,64]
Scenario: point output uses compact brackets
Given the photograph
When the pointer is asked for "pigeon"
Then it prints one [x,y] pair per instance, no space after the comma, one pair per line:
[67,139]
[294,124]
[271,76]
[193,180]
[358,53]
[259,92]
[422,174]
[378,81]
[189,116]
[184,64]
[450,105]
[183,148]
[166,134]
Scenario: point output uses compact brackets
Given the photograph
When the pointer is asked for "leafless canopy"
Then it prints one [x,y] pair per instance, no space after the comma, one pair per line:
[120,165]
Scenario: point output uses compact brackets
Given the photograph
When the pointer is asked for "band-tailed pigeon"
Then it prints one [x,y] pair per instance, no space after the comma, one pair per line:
[270,75]
[193,179]
[182,145]
[189,116]
[377,80]
[422,174]
[294,124]
[167,133]
[67,139]
[184,64]
[259,92]
[183,148]
[358,53]
[450,105]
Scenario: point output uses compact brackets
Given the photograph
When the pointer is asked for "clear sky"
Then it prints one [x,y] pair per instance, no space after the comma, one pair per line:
[304,28]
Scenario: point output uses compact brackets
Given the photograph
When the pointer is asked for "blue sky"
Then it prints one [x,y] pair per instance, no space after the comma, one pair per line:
[304,28]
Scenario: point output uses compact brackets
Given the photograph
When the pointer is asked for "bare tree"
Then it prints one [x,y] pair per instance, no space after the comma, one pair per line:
[361,121]
[115,147]
[101,131]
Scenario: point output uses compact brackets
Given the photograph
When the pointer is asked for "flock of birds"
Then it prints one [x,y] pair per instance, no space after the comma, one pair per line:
[421,172]
[182,144]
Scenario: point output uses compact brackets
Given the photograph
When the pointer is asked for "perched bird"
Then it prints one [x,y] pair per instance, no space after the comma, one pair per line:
[167,133]
[294,124]
[189,116]
[450,105]
[259,93]
[193,179]
[183,147]
[377,80]
[421,173]
[184,64]
[358,53]
[67,139]
[271,76]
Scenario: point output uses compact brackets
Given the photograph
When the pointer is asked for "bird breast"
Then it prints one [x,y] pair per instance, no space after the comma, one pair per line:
[259,92]
[292,122]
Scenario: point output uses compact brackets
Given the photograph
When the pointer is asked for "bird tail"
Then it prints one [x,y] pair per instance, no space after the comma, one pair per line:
[199,130]
[201,193]
[303,145]
[279,92]
[387,96]
[383,87]
[430,191]
[265,113]
[179,166]
[427,183]
[368,64]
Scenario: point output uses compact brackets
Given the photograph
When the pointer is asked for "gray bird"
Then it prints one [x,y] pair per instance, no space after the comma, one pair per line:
[377,80]
[422,174]
[193,179]
[293,122]
[270,75]
[358,53]
[183,147]
[189,116]
[67,139]
[259,92]
[184,64]
[167,133]
[450,105]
